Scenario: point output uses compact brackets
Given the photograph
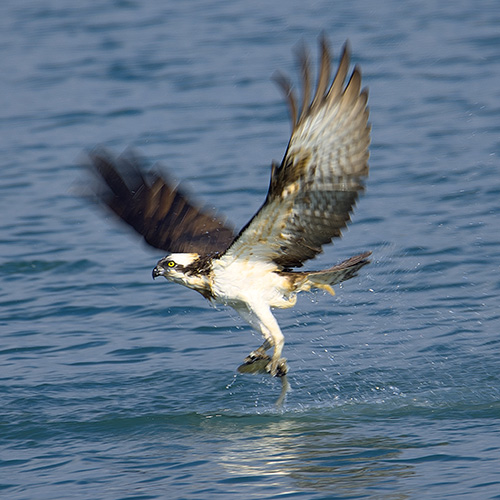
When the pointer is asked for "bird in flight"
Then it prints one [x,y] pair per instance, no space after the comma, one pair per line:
[311,195]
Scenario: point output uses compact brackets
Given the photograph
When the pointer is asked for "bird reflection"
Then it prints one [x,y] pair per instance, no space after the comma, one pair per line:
[306,455]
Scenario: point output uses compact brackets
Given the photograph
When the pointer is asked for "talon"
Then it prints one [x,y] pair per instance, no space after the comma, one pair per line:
[277,368]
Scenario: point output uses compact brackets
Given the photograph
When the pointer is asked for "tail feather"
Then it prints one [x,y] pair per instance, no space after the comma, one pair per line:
[325,279]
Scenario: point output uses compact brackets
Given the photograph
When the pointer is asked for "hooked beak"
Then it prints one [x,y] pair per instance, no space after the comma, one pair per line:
[158,271]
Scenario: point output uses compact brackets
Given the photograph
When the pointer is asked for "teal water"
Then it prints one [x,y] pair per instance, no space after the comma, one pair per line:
[117,387]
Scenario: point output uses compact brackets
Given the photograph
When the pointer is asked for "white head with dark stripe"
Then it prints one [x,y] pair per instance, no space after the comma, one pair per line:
[173,267]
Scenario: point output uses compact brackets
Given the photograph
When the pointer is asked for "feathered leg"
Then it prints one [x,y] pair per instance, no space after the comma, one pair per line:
[260,318]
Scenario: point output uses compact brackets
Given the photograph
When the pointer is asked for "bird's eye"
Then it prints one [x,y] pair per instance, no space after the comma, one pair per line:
[170,263]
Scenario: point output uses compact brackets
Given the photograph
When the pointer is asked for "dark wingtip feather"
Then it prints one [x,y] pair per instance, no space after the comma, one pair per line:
[154,207]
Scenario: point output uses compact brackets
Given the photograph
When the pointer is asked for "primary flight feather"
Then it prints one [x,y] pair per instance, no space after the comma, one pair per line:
[311,195]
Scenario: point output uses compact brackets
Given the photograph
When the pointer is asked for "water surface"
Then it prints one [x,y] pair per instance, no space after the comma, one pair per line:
[114,386]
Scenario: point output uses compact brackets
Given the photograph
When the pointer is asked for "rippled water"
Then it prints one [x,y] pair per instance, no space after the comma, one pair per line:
[114,386]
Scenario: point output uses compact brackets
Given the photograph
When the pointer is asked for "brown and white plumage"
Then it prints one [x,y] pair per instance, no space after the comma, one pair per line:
[311,195]
[313,190]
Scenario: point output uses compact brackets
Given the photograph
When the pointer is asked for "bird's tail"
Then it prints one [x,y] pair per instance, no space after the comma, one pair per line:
[305,281]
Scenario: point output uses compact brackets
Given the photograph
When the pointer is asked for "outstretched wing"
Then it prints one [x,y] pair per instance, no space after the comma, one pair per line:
[157,210]
[313,191]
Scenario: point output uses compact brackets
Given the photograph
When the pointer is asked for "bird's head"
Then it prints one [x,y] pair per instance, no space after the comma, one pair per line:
[173,266]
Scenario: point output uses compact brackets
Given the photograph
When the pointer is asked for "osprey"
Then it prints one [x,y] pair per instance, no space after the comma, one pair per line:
[311,195]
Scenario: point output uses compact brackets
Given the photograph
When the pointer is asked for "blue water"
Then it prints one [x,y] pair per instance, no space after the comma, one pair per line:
[117,387]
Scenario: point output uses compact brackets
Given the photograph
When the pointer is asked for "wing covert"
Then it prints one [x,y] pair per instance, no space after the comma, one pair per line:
[314,189]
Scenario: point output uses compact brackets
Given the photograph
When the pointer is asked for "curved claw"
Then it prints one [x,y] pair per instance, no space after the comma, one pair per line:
[278,367]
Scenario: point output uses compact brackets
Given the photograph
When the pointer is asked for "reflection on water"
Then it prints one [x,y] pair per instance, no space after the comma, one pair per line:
[314,456]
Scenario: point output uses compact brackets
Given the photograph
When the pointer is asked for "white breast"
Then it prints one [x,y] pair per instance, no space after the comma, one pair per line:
[236,281]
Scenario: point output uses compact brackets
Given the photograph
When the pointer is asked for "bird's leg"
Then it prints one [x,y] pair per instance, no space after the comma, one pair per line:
[278,366]
[260,317]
